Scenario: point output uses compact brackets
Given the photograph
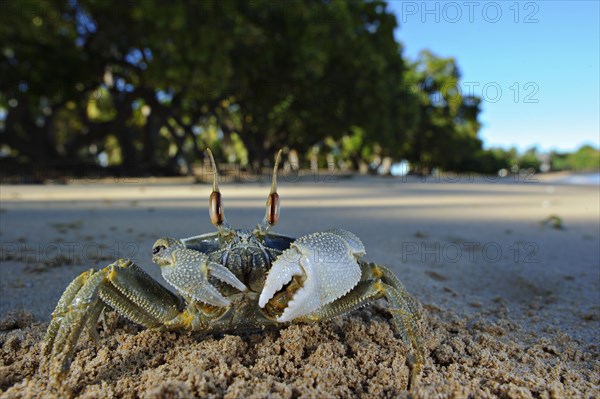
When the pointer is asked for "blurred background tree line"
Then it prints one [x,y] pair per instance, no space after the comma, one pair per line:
[143,87]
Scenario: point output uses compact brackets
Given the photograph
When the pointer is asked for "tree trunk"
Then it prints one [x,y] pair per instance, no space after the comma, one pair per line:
[151,134]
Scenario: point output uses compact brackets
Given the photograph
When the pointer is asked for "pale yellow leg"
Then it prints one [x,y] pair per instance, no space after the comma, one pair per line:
[124,287]
[379,282]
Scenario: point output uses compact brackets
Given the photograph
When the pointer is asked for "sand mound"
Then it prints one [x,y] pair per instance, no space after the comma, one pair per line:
[354,356]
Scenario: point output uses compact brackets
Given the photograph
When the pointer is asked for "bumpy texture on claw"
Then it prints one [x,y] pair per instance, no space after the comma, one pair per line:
[327,262]
[355,244]
[188,271]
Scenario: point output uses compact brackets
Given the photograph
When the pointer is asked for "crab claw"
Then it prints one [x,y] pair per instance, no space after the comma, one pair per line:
[325,263]
[188,270]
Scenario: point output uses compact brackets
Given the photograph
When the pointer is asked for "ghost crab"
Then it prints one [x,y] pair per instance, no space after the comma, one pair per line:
[234,280]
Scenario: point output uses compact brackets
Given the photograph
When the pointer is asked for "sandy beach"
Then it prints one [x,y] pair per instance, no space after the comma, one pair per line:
[507,274]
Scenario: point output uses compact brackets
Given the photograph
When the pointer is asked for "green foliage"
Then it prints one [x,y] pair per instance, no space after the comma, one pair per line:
[148,85]
[252,76]
[100,107]
[495,159]
[530,160]
[587,158]
[444,134]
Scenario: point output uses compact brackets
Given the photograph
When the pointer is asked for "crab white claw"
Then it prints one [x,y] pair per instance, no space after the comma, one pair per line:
[190,275]
[327,261]
[188,271]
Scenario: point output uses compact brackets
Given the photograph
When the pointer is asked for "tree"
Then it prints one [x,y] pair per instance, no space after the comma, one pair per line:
[44,71]
[445,133]
[530,160]
[143,87]
[586,158]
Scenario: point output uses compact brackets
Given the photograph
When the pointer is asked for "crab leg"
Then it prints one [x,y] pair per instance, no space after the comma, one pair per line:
[136,295]
[70,318]
[92,320]
[121,285]
[405,315]
[62,308]
[379,282]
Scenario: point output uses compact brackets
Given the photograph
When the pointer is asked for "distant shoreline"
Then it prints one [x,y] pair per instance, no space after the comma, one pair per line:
[308,175]
[588,178]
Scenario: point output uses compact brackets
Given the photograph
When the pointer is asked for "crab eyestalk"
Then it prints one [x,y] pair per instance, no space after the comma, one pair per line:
[272,214]
[215,202]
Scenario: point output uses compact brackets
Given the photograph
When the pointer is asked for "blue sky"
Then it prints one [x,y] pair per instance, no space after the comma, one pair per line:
[535,64]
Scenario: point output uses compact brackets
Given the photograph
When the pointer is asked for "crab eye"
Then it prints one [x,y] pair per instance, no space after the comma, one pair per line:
[273,208]
[272,215]
[217,216]
[157,249]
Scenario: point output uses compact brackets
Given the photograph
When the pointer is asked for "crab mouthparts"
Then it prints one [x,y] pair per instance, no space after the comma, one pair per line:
[288,292]
[277,304]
